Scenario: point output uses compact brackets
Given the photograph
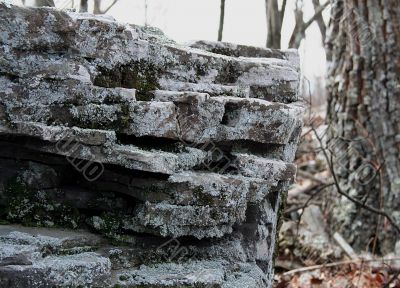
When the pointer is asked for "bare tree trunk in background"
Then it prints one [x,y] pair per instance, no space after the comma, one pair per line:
[299,32]
[44,3]
[83,6]
[274,22]
[275,18]
[363,113]
[97,7]
[221,20]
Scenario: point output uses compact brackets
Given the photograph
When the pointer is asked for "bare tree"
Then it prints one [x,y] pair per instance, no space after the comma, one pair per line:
[276,14]
[363,113]
[221,20]
[299,31]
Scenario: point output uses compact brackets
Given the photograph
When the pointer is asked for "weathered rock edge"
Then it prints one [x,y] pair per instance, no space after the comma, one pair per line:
[181,151]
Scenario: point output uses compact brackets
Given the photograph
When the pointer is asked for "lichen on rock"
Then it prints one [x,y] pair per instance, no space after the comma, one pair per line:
[177,155]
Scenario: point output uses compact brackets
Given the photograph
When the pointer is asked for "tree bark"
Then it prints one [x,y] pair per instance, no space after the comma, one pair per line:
[363,113]
[221,21]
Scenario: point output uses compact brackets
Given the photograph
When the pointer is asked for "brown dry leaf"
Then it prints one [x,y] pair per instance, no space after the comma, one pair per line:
[344,276]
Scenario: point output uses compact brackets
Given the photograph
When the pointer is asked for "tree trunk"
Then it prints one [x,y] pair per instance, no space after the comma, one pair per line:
[44,3]
[221,20]
[84,6]
[274,24]
[299,32]
[363,113]
[96,8]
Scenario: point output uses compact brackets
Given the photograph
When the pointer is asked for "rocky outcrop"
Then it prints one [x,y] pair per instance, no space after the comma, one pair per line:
[178,155]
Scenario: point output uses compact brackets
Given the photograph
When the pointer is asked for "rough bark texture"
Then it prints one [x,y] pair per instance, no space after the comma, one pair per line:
[180,152]
[363,113]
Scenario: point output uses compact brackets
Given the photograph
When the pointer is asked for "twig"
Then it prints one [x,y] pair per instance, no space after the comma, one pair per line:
[307,175]
[305,206]
[387,285]
[317,13]
[109,7]
[341,192]
[345,246]
[302,190]
[315,267]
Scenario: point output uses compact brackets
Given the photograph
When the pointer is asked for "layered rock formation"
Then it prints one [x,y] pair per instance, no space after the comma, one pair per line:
[178,155]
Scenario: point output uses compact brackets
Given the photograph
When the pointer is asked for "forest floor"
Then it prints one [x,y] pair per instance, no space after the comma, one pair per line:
[310,253]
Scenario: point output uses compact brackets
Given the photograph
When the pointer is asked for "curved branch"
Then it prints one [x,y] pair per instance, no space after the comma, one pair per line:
[341,192]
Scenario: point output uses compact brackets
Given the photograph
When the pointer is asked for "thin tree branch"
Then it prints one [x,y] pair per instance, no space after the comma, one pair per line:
[109,7]
[97,9]
[322,188]
[221,20]
[320,20]
[309,176]
[341,192]
[315,267]
[317,14]
[394,278]
[301,26]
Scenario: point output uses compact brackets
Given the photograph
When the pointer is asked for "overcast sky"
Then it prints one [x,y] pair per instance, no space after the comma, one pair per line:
[245,23]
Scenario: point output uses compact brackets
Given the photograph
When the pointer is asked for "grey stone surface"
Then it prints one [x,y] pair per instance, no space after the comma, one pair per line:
[177,155]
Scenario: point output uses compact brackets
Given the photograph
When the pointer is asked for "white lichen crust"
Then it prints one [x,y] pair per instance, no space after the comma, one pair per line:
[115,128]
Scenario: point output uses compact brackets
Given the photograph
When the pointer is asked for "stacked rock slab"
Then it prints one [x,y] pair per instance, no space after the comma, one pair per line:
[178,155]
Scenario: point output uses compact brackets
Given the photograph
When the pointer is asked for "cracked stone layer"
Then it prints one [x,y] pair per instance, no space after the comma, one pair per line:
[190,117]
[54,257]
[86,48]
[194,145]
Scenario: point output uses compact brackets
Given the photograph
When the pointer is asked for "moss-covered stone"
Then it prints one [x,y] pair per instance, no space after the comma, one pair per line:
[141,75]
[34,208]
[108,224]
